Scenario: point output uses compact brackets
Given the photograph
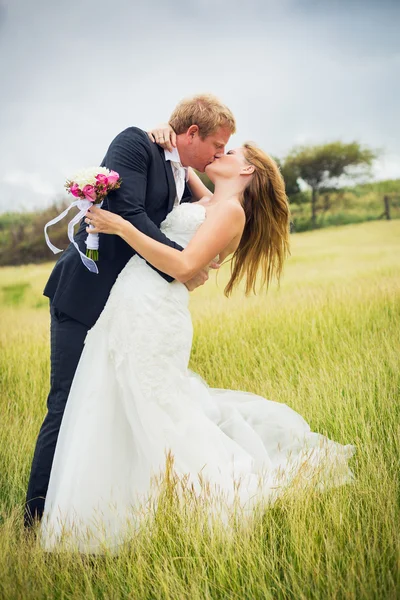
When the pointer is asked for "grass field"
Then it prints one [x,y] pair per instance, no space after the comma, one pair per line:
[327,343]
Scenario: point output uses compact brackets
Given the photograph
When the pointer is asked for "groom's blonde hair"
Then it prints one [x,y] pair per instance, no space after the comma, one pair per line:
[204,110]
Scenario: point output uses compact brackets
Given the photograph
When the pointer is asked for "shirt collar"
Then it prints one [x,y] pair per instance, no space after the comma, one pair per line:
[173,156]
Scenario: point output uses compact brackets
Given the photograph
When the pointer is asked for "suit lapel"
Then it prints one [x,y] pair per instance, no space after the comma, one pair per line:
[170,178]
[187,194]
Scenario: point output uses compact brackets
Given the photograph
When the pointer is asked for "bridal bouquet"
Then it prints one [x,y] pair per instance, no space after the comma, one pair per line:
[89,186]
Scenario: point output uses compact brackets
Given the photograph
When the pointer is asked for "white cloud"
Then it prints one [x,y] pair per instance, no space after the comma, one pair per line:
[387,167]
[33,182]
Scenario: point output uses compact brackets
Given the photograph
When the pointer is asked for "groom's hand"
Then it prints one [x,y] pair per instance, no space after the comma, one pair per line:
[201,277]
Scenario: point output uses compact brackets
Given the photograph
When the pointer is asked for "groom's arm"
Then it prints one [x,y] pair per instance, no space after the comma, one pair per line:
[129,155]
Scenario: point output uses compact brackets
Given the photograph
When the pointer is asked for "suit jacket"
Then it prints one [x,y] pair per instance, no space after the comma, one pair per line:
[146,196]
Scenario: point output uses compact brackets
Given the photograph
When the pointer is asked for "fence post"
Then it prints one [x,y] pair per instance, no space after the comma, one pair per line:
[387,207]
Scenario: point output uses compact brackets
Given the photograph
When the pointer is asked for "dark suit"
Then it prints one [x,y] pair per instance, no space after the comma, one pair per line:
[77,296]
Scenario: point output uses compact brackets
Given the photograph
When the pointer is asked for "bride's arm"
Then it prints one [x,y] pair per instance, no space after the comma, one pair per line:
[230,249]
[197,187]
[219,230]
[165,137]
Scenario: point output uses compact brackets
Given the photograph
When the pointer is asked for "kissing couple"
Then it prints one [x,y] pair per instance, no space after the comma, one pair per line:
[122,398]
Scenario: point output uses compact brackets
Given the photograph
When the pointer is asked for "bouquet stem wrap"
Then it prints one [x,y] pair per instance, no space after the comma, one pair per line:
[83,206]
[92,241]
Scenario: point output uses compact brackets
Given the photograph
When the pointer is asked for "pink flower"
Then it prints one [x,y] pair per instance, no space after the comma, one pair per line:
[90,193]
[75,191]
[113,177]
[100,178]
[101,191]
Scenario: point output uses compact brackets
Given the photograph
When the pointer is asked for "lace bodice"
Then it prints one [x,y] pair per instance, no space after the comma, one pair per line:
[140,297]
[182,222]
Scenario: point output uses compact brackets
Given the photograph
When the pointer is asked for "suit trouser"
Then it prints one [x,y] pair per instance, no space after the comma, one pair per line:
[67,338]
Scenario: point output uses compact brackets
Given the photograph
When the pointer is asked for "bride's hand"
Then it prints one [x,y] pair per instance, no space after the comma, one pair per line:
[103,221]
[164,136]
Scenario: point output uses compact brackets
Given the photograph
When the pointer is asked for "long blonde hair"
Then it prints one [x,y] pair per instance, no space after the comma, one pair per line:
[264,245]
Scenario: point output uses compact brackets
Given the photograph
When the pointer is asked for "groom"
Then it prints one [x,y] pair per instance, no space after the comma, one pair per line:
[153,181]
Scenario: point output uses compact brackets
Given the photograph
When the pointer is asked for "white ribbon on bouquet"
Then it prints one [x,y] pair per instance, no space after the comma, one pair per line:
[92,241]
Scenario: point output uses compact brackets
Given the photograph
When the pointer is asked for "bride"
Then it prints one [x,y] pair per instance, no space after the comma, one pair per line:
[133,400]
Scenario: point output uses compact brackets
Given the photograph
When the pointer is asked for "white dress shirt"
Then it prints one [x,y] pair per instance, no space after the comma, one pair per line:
[181,174]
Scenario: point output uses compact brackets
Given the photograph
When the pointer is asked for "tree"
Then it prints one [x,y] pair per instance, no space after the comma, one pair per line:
[321,166]
[290,177]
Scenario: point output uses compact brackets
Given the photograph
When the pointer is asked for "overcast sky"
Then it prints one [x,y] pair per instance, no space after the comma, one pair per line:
[76,72]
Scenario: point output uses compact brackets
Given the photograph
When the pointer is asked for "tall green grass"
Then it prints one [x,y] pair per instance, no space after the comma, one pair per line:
[327,344]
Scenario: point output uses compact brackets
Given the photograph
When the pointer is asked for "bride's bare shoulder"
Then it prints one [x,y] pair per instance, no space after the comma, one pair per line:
[233,208]
[204,200]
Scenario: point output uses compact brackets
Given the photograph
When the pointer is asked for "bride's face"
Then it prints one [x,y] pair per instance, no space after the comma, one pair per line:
[231,165]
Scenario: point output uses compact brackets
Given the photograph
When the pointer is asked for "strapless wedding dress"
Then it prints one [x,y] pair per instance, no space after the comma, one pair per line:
[133,400]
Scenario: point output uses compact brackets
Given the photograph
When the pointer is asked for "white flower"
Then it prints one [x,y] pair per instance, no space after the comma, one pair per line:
[88,176]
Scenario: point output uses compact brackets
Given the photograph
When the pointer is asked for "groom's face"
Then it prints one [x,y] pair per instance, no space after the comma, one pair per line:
[202,152]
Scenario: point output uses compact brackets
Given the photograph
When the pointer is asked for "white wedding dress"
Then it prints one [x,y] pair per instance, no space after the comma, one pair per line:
[133,398]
